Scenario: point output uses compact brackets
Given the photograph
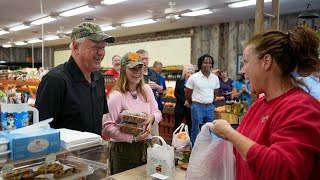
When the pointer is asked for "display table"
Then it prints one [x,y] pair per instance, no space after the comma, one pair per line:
[141,171]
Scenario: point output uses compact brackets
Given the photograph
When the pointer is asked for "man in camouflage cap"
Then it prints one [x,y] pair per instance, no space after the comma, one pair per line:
[90,31]
[73,93]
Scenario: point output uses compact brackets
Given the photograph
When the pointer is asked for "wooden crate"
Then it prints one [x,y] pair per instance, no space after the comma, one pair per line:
[166,127]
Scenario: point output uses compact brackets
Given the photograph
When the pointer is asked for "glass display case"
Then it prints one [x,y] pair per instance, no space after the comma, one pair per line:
[91,162]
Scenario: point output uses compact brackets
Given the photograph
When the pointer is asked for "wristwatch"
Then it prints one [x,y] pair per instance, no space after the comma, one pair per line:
[134,139]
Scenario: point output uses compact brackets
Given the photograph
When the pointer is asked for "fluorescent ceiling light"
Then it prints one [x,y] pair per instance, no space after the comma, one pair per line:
[110,2]
[107,28]
[138,23]
[198,13]
[34,41]
[19,27]
[76,11]
[4,32]
[7,45]
[44,20]
[50,38]
[244,3]
[20,43]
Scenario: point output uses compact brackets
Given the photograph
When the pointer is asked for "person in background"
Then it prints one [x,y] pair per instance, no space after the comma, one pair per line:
[151,78]
[278,137]
[241,89]
[157,67]
[130,93]
[116,67]
[182,110]
[313,84]
[73,93]
[202,88]
[225,89]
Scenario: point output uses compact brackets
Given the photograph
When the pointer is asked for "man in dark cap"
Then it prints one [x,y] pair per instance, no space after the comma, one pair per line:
[73,93]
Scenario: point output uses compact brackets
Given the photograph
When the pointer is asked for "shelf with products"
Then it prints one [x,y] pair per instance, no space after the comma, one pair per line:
[18,65]
[31,86]
[173,72]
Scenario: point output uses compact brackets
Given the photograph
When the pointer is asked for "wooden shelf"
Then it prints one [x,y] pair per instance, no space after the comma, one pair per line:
[8,84]
[31,86]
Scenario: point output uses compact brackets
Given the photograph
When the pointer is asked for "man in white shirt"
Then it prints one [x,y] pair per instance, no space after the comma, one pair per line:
[201,89]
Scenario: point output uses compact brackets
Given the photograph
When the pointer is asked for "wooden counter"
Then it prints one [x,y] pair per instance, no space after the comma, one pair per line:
[141,171]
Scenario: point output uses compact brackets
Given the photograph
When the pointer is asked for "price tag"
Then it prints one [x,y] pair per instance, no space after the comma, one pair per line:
[159,176]
[50,158]
[8,168]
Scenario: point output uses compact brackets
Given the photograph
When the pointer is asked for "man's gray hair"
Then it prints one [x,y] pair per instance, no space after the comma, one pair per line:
[77,41]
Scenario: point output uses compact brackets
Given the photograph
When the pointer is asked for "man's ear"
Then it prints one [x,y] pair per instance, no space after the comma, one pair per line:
[75,47]
[266,61]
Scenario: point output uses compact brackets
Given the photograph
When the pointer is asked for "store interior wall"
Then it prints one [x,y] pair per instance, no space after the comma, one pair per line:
[159,50]
[222,41]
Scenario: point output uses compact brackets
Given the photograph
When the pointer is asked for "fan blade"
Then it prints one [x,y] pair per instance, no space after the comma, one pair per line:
[184,11]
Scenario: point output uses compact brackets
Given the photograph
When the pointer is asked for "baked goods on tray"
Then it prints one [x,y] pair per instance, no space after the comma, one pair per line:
[133,122]
[130,128]
[49,168]
[134,117]
[66,173]
[20,174]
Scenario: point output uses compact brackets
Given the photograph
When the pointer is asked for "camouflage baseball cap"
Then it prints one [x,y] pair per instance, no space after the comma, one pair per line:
[130,60]
[91,31]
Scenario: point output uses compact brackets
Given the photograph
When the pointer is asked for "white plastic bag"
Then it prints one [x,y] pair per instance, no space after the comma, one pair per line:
[211,159]
[181,138]
[160,159]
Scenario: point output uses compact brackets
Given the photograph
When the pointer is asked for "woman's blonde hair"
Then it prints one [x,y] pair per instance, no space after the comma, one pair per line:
[185,69]
[122,84]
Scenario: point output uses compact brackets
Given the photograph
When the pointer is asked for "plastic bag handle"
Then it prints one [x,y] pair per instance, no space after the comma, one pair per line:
[179,128]
[163,142]
[186,129]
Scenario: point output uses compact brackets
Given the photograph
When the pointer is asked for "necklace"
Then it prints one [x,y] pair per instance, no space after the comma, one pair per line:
[134,96]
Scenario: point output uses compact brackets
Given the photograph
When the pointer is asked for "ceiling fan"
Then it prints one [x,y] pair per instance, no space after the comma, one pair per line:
[172,13]
[61,33]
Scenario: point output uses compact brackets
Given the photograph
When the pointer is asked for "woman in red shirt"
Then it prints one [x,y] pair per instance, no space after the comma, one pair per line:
[279,136]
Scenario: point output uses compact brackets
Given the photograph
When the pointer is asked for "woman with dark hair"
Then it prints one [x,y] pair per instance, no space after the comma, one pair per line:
[278,137]
[241,89]
[226,86]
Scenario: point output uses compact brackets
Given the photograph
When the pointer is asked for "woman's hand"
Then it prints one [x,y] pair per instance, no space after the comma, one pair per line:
[186,104]
[221,128]
[149,122]
[219,98]
[143,136]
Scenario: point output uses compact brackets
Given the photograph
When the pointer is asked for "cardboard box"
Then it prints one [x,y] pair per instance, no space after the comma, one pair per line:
[27,145]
